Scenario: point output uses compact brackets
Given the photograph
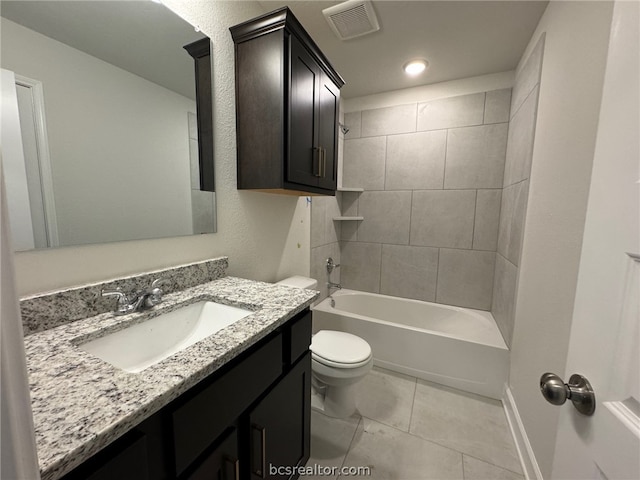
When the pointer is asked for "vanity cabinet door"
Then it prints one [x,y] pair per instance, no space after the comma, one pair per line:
[280,425]
[221,463]
[200,417]
[125,459]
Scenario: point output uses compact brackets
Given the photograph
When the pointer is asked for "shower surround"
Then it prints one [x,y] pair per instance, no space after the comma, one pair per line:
[432,174]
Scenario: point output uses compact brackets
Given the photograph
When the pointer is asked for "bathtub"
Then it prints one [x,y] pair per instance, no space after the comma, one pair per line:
[457,347]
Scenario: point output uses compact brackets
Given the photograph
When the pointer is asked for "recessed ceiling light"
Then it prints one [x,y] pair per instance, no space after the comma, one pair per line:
[415,67]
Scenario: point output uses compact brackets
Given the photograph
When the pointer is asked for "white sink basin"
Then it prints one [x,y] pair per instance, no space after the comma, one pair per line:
[141,345]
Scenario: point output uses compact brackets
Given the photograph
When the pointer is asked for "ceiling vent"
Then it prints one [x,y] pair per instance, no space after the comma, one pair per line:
[352,19]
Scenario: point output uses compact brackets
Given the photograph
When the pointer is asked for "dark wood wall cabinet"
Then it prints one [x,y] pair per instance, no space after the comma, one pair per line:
[248,420]
[287,106]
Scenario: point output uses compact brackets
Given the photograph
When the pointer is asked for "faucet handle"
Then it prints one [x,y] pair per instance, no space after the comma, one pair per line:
[124,305]
[331,265]
[154,294]
[158,282]
[122,297]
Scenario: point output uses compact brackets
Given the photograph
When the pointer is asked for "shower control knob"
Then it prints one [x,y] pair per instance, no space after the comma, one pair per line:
[578,390]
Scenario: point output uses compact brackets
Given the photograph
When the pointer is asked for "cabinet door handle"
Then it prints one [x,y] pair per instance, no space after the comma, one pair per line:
[235,464]
[317,161]
[324,163]
[261,471]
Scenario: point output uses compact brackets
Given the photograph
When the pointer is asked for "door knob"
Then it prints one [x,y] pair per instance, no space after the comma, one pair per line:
[578,390]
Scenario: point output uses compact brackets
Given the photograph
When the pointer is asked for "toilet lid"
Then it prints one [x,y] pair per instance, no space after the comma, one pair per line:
[332,347]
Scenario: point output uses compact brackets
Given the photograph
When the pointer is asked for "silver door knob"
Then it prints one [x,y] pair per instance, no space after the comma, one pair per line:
[578,390]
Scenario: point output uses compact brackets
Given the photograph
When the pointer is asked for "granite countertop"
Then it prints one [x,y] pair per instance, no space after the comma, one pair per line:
[81,403]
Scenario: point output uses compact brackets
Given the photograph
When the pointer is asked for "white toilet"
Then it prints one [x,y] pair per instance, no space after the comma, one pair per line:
[339,360]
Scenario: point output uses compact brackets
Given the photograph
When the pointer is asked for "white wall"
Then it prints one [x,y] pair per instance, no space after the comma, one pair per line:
[265,236]
[576,43]
[119,144]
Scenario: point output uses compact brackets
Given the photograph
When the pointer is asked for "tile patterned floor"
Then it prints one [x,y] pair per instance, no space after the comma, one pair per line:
[409,429]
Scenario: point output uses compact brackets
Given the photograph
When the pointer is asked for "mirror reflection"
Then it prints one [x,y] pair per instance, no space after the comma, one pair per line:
[103,93]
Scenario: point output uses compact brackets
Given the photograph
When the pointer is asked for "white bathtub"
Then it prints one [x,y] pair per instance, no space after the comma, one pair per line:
[458,347]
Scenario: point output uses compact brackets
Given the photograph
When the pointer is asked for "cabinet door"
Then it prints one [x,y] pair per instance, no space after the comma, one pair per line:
[329,101]
[125,459]
[303,156]
[221,463]
[280,425]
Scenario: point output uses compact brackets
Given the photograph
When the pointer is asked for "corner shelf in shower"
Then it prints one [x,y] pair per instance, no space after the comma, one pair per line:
[349,218]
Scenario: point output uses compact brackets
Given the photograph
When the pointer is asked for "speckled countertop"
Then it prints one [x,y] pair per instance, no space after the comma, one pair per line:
[81,403]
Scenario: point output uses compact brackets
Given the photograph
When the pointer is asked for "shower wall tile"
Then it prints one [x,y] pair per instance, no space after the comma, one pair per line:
[415,161]
[460,111]
[475,156]
[524,104]
[386,217]
[353,121]
[528,76]
[389,120]
[409,272]
[363,165]
[513,210]
[349,231]
[504,295]
[485,230]
[360,268]
[465,278]
[350,203]
[520,141]
[443,218]
[497,106]
[318,269]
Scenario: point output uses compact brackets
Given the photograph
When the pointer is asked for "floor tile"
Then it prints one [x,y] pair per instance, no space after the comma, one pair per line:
[395,455]
[387,397]
[465,422]
[330,440]
[475,469]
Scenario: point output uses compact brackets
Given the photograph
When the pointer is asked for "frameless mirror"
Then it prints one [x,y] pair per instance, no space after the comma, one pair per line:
[107,113]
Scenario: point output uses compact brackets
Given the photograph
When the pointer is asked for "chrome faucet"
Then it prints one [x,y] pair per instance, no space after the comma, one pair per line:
[330,266]
[136,301]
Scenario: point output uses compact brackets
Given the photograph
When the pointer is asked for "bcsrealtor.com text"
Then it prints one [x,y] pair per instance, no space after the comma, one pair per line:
[318,471]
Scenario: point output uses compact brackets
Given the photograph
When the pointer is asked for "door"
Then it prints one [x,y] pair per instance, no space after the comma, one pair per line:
[329,102]
[605,332]
[303,159]
[15,171]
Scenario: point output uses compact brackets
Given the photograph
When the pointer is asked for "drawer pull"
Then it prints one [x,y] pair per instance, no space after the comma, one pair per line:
[261,471]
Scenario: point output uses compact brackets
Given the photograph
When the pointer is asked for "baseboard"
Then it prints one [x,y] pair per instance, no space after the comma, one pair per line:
[525,452]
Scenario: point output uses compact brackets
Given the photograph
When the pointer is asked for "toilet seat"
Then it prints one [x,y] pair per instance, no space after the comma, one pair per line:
[339,349]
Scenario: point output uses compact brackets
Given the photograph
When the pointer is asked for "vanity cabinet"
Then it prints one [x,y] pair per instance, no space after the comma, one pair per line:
[287,106]
[252,413]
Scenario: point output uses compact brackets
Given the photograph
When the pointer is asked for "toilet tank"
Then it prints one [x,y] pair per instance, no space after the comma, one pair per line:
[299,281]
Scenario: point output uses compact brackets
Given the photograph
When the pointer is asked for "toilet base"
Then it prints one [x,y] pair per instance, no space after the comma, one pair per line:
[336,402]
